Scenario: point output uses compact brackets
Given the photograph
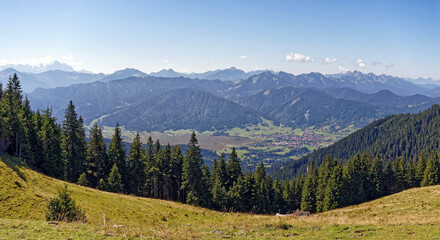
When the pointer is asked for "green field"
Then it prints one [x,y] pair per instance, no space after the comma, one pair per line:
[24,193]
[256,137]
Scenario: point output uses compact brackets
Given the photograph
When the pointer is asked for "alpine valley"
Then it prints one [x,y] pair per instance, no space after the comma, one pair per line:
[270,117]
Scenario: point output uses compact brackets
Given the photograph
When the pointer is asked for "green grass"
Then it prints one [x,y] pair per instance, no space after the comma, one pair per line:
[24,194]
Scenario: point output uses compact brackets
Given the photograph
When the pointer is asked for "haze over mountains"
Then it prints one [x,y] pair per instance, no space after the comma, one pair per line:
[59,74]
[141,101]
[222,99]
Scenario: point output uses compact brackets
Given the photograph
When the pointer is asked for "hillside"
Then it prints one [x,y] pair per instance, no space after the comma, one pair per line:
[300,107]
[404,135]
[328,102]
[183,109]
[412,214]
[96,99]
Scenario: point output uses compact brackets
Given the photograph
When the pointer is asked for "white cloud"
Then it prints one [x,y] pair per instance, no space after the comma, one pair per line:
[43,61]
[360,63]
[328,60]
[375,63]
[165,60]
[343,69]
[296,57]
[242,57]
[390,65]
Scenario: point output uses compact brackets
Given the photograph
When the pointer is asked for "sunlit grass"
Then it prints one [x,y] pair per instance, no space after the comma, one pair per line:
[24,194]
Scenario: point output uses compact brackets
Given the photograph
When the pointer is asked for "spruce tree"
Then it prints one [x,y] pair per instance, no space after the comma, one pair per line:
[219,191]
[32,144]
[262,189]
[325,172]
[36,142]
[82,180]
[176,172]
[14,125]
[333,190]
[192,172]
[136,167]
[52,163]
[308,200]
[377,175]
[233,168]
[149,169]
[420,171]
[97,164]
[167,172]
[114,180]
[102,185]
[73,144]
[117,155]
[206,199]
[432,171]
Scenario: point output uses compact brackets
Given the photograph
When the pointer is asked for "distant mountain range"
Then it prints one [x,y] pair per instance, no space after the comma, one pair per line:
[62,75]
[55,65]
[162,103]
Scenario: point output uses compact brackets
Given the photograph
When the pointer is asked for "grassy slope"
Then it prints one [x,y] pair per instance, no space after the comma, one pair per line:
[412,214]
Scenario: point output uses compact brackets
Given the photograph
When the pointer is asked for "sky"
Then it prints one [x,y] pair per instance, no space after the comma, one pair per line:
[400,38]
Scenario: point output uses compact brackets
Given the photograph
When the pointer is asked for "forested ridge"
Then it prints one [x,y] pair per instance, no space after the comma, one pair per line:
[61,151]
[406,135]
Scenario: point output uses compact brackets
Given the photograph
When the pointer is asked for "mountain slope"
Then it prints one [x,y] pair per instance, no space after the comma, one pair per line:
[183,109]
[122,74]
[28,81]
[371,83]
[411,214]
[96,99]
[397,135]
[228,74]
[255,84]
[300,107]
[386,101]
[49,79]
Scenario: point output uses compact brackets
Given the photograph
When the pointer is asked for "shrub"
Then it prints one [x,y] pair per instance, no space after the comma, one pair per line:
[82,180]
[63,208]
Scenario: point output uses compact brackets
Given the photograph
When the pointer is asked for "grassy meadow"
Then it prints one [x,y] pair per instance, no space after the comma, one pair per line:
[24,194]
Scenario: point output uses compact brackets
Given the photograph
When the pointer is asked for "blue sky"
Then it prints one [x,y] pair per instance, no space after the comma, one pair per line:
[392,37]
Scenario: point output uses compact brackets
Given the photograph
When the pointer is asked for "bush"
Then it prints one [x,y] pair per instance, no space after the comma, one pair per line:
[82,180]
[63,208]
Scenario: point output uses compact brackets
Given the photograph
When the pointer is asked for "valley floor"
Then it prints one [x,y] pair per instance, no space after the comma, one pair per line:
[24,194]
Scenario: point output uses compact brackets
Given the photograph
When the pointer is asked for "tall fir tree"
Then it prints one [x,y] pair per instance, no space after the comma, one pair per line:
[308,200]
[36,142]
[31,144]
[176,172]
[13,104]
[136,167]
[73,144]
[117,155]
[333,190]
[233,168]
[149,169]
[377,174]
[192,175]
[219,178]
[114,180]
[432,171]
[53,163]
[420,171]
[325,172]
[97,164]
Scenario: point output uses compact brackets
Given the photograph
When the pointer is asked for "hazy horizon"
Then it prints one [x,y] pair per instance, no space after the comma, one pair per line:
[398,38]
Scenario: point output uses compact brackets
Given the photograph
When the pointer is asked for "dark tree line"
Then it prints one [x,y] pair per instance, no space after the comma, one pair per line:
[393,136]
[165,172]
